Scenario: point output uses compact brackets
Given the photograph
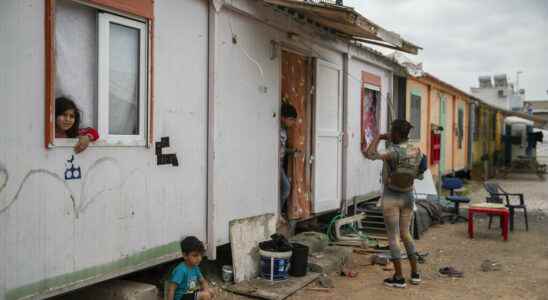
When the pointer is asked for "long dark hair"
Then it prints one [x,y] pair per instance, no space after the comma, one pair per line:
[63,104]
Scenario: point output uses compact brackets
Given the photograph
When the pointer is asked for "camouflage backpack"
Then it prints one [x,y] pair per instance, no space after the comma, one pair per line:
[405,167]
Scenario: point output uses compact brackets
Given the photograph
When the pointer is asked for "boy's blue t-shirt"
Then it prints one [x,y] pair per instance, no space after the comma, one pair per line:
[187,279]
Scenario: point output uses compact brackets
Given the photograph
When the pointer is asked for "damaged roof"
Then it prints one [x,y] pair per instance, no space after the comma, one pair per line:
[347,23]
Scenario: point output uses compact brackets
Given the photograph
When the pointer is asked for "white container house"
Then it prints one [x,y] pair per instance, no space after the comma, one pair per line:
[206,75]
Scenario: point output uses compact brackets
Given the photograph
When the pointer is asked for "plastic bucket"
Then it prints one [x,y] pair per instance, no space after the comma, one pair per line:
[274,266]
[228,273]
[299,260]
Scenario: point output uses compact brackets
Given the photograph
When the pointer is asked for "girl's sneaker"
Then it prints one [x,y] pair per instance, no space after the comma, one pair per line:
[415,278]
[395,282]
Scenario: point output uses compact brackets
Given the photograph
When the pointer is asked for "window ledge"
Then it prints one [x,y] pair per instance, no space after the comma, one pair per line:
[101,143]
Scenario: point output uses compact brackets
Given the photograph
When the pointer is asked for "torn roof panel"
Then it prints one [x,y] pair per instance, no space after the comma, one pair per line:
[348,23]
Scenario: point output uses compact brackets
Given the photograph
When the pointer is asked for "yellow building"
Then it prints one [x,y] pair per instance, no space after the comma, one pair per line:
[432,103]
[472,135]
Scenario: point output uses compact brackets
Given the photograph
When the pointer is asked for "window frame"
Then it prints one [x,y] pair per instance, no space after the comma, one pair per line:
[476,122]
[105,19]
[139,10]
[460,126]
[370,83]
[415,133]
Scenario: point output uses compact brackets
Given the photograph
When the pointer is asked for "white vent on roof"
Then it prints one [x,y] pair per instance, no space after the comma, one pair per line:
[485,82]
[501,80]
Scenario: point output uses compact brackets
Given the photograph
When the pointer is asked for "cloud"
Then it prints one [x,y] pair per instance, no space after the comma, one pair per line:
[468,38]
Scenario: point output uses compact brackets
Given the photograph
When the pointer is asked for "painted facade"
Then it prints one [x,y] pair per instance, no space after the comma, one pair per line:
[441,105]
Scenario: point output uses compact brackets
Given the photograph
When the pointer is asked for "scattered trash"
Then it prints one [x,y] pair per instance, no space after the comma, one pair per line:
[421,257]
[361,251]
[379,259]
[325,281]
[490,265]
[451,272]
[323,290]
[387,269]
[348,273]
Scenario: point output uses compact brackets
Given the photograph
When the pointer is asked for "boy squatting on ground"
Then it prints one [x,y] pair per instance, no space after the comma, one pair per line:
[186,282]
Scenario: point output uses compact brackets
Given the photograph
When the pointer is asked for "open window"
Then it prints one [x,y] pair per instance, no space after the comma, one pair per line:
[370,108]
[122,82]
[98,54]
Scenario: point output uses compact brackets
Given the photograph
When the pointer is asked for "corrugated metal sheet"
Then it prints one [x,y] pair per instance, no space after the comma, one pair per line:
[348,23]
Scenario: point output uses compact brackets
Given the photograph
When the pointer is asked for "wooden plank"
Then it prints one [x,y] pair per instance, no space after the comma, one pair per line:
[141,8]
[266,289]
[49,26]
[295,87]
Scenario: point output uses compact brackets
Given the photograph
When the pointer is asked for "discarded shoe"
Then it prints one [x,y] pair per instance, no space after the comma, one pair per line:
[451,272]
[325,281]
[395,282]
[490,265]
[421,257]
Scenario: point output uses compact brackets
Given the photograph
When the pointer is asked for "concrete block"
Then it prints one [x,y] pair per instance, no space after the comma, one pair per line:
[315,241]
[331,259]
[115,290]
[245,236]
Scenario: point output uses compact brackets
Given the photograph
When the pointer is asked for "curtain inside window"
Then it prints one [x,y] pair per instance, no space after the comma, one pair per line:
[124,80]
[370,116]
[76,57]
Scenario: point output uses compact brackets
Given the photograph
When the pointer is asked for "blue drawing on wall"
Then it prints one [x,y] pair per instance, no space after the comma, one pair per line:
[72,170]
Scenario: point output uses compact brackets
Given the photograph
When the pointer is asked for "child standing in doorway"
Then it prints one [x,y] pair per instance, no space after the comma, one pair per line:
[289,117]
[186,281]
[67,124]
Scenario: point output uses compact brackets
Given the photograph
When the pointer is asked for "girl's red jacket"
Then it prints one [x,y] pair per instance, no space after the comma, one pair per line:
[92,133]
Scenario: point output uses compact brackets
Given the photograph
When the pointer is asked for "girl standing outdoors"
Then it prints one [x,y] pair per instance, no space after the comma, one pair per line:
[400,168]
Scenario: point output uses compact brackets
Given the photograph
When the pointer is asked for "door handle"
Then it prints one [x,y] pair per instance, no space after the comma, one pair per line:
[311,159]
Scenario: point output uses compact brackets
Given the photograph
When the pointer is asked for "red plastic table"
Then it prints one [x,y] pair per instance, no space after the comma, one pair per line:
[503,212]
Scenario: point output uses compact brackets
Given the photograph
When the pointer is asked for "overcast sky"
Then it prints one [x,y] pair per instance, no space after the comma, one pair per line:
[463,39]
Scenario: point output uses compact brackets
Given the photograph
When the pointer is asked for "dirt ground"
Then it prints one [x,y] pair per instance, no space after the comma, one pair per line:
[524,258]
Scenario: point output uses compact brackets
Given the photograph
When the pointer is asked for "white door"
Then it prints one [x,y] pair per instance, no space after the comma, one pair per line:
[328,137]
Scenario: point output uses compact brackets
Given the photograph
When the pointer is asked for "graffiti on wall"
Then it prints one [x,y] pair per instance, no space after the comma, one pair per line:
[87,196]
[165,159]
[72,170]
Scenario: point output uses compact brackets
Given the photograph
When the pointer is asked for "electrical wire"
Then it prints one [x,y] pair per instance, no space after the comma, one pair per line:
[234,36]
